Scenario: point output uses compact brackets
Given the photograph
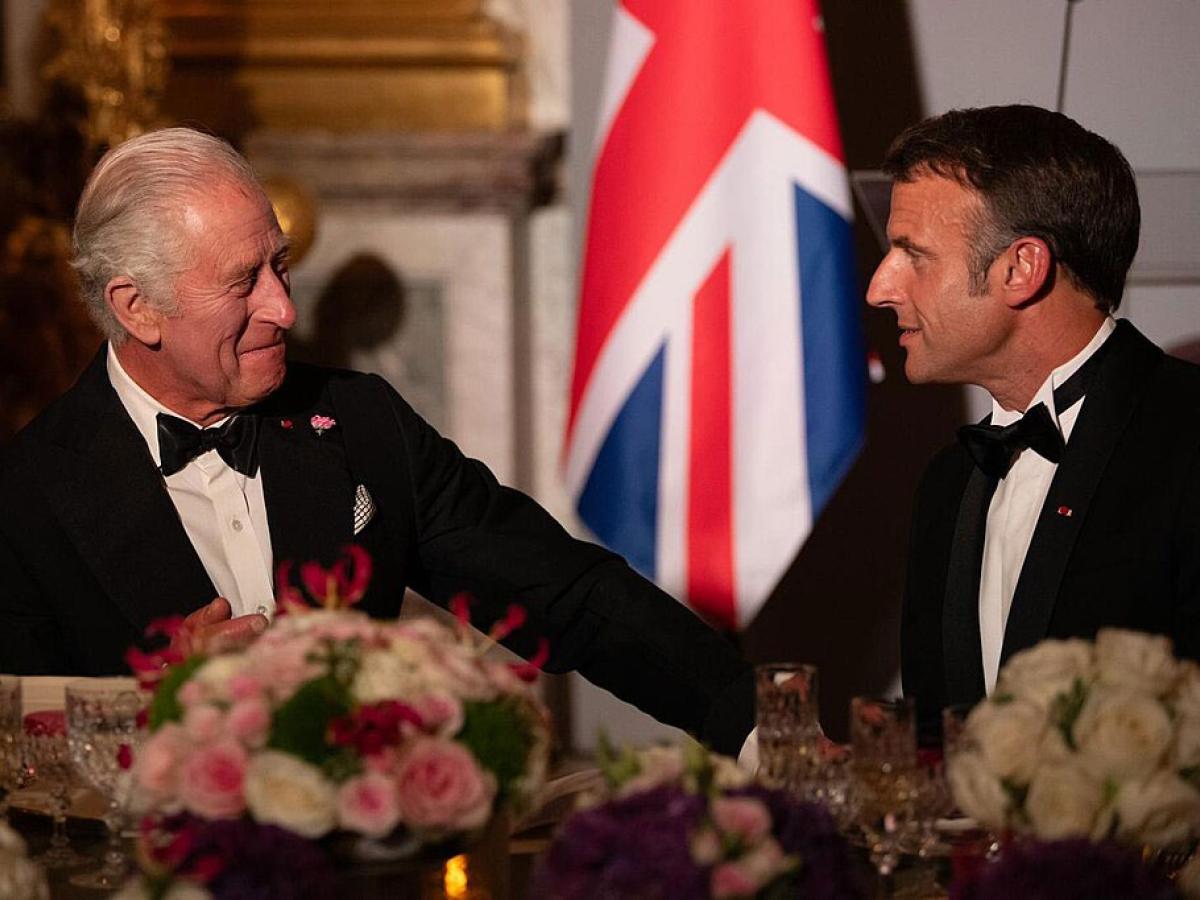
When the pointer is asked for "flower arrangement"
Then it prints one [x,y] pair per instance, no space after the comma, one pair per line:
[682,823]
[1080,739]
[330,727]
[1074,869]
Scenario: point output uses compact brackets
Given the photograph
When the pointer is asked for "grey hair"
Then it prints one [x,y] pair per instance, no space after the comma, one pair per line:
[130,212]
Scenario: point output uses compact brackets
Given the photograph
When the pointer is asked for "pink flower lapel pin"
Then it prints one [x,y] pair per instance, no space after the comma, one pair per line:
[321,424]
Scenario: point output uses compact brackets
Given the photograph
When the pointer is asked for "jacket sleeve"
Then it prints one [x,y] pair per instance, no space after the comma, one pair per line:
[600,617]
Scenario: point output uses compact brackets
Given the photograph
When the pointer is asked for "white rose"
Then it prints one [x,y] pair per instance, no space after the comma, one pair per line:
[977,791]
[1121,734]
[1041,673]
[1008,736]
[1161,811]
[657,766]
[399,671]
[1185,749]
[285,791]
[1053,748]
[1135,660]
[1063,801]
[215,673]
[1186,697]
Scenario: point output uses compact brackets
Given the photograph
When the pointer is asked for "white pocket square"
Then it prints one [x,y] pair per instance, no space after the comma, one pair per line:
[364,508]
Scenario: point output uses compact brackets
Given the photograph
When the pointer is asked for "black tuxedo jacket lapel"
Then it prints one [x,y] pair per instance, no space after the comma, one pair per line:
[1109,404]
[962,653]
[307,486]
[111,500]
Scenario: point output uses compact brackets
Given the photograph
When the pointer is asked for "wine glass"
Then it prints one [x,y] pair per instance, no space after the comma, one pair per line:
[788,730]
[48,764]
[11,765]
[103,731]
[886,779]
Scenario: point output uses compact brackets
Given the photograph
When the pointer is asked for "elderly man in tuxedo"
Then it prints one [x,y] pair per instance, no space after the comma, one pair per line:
[1076,505]
[190,460]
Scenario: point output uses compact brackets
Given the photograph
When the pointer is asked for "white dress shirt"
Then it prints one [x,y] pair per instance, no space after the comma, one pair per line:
[1015,507]
[222,510]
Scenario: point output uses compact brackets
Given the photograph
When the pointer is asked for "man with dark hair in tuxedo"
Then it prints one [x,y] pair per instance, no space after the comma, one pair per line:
[190,459]
[1077,504]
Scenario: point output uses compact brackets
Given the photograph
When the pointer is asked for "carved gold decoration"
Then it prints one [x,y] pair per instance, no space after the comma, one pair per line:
[113,51]
[351,65]
[297,214]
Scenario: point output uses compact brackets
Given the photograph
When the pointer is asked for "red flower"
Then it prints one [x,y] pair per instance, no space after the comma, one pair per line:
[341,585]
[372,728]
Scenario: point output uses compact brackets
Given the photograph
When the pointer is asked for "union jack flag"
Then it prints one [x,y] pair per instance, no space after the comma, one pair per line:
[718,391]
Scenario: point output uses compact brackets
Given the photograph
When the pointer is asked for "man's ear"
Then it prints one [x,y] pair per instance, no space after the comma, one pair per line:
[133,310]
[1028,271]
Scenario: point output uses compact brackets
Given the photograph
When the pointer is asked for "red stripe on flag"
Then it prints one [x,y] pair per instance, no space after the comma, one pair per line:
[712,64]
[710,588]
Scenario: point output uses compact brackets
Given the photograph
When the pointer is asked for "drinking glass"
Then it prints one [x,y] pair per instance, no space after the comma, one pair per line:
[102,733]
[886,779]
[48,764]
[11,765]
[788,731]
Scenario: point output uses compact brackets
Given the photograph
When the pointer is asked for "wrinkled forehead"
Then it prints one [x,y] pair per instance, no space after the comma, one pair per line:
[931,201]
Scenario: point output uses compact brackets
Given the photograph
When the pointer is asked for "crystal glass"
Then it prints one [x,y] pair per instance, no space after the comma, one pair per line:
[48,766]
[12,767]
[103,731]
[886,777]
[789,735]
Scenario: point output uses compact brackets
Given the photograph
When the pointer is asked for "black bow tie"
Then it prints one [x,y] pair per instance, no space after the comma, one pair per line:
[993,447]
[180,442]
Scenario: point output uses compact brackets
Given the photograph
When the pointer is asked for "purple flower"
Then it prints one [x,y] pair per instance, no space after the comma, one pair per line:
[1073,869]
[636,847]
[262,862]
[808,831]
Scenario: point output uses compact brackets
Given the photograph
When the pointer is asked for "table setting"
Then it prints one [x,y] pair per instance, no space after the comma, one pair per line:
[337,755]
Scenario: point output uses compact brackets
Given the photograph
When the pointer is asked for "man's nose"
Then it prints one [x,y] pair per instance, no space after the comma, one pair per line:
[882,289]
[276,304]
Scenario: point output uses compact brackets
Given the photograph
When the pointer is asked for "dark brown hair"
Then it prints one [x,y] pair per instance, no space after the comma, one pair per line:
[1039,174]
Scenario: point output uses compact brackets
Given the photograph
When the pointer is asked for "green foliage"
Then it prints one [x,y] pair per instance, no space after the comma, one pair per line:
[497,732]
[617,766]
[1066,709]
[1016,795]
[165,706]
[299,726]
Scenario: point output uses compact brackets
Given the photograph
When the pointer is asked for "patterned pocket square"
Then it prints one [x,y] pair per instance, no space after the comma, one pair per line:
[364,508]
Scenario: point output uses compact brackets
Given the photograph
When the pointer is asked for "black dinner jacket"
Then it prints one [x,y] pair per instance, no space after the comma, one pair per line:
[92,548]
[1117,542]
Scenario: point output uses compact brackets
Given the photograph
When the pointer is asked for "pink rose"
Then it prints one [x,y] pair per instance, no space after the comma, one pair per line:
[243,686]
[731,880]
[250,721]
[203,724]
[386,760]
[212,780]
[367,804]
[743,817]
[191,693]
[442,788]
[158,760]
[440,713]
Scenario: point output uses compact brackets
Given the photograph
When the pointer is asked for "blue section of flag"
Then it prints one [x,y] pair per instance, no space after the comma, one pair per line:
[620,500]
[834,360]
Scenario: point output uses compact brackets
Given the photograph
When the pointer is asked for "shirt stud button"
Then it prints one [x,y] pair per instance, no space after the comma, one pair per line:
[236,524]
[261,610]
